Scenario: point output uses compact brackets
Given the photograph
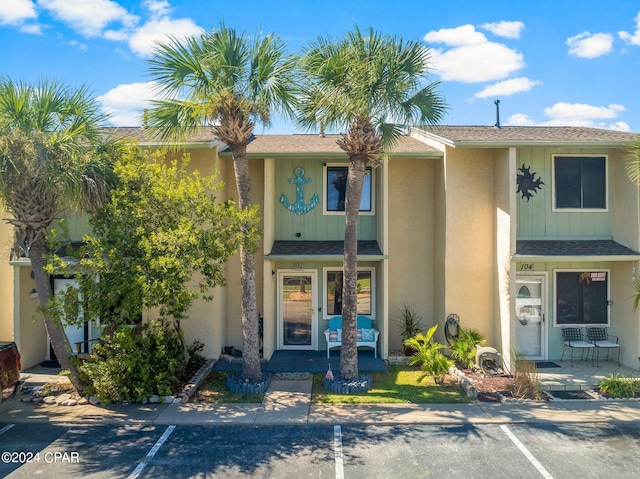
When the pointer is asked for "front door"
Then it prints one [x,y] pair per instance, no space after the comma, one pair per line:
[530,316]
[76,333]
[297,310]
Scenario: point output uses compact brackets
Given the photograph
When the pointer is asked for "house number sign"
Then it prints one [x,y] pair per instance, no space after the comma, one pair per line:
[299,206]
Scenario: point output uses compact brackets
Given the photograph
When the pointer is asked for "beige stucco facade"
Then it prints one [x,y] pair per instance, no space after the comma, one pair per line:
[447,222]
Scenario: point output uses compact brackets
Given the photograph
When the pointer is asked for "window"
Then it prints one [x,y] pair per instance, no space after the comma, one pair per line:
[580,182]
[335,179]
[333,291]
[582,297]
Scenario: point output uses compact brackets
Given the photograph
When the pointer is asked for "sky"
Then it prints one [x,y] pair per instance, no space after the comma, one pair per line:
[561,62]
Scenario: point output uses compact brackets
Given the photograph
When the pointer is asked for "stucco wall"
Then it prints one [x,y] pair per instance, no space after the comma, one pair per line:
[31,335]
[411,241]
[470,256]
[6,286]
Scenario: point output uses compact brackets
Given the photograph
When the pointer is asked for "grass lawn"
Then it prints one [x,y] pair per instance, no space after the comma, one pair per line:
[402,384]
[214,390]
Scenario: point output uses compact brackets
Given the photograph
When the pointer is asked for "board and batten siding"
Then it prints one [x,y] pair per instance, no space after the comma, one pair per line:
[313,225]
[536,218]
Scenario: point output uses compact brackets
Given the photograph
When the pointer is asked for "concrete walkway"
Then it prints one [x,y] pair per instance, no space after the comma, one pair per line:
[288,401]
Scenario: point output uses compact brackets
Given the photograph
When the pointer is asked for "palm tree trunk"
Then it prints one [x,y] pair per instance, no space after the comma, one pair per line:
[250,335]
[349,350]
[56,332]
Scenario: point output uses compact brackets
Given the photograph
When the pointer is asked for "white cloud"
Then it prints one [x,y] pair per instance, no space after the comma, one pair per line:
[575,114]
[507,87]
[125,103]
[459,36]
[14,12]
[89,17]
[158,8]
[32,29]
[142,41]
[473,58]
[579,111]
[586,45]
[504,29]
[632,38]
[81,46]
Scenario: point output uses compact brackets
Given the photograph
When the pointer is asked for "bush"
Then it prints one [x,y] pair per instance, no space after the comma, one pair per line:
[619,387]
[428,356]
[136,363]
[463,348]
[526,383]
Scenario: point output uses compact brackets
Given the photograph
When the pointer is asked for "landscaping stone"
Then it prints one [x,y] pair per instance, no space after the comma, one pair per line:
[94,400]
[50,400]
[62,398]
[69,402]
[238,385]
[348,386]
[83,401]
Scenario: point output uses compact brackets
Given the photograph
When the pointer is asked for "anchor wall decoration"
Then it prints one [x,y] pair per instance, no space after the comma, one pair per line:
[299,206]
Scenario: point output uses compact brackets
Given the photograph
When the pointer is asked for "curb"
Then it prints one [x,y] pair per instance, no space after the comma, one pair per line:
[192,386]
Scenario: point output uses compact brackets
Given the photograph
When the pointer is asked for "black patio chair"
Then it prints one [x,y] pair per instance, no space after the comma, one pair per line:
[597,335]
[573,339]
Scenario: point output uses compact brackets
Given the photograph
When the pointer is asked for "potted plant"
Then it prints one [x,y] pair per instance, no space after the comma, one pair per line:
[409,325]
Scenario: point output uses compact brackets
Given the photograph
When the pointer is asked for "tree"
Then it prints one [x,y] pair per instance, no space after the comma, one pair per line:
[53,159]
[161,227]
[229,82]
[373,87]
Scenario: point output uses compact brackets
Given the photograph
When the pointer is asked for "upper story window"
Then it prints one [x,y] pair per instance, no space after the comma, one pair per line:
[335,188]
[580,182]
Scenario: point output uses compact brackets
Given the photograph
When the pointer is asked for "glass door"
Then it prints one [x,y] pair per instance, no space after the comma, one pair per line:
[530,317]
[297,310]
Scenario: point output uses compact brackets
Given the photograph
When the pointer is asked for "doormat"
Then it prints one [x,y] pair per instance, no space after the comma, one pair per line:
[578,394]
[50,364]
[546,364]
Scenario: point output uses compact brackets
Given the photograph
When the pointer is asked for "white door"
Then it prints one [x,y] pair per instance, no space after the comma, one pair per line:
[76,333]
[531,316]
[297,309]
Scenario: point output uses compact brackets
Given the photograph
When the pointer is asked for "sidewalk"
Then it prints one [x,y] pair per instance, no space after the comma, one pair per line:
[288,401]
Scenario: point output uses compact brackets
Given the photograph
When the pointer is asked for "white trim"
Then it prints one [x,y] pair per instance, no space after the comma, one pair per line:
[325,299]
[314,306]
[324,191]
[555,296]
[554,209]
[544,308]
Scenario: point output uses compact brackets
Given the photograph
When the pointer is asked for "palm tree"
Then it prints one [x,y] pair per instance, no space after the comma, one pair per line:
[373,87]
[226,81]
[52,160]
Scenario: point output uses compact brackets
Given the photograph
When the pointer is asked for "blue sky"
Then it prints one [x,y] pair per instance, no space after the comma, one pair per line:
[561,62]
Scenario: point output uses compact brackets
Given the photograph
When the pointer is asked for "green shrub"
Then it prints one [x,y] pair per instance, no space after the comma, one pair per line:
[428,356]
[463,348]
[135,364]
[620,387]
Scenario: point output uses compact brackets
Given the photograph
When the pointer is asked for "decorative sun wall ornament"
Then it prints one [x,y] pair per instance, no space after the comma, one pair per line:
[527,183]
[299,206]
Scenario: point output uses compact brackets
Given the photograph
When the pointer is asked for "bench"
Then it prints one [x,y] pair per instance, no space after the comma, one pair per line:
[367,335]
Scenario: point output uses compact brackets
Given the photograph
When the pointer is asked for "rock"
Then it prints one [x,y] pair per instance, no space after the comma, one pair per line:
[69,402]
[83,401]
[154,399]
[177,400]
[167,399]
[94,400]
[63,398]
[27,399]
[49,400]
[37,400]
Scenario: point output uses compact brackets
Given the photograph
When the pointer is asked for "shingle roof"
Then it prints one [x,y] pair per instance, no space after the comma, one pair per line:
[573,248]
[304,143]
[321,248]
[478,135]
[145,136]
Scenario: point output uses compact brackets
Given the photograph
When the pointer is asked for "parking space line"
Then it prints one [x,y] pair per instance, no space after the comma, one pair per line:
[6,428]
[337,449]
[526,452]
[136,472]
